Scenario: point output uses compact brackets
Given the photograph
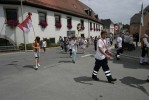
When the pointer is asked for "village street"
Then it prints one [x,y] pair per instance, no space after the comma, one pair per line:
[59,79]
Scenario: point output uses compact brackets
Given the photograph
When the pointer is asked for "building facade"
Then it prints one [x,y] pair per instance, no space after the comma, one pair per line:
[135,22]
[108,25]
[50,19]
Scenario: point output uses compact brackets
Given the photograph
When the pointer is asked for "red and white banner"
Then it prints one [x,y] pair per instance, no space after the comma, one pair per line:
[26,24]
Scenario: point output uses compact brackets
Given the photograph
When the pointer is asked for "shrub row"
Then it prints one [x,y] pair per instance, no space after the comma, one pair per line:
[29,46]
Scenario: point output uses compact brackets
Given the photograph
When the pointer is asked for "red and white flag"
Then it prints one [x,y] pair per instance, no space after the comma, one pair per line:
[26,24]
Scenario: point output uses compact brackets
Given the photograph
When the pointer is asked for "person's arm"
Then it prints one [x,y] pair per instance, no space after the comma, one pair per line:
[101,50]
[33,45]
[38,47]
[146,42]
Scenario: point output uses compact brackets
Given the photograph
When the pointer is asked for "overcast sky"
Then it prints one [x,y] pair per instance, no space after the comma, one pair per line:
[116,10]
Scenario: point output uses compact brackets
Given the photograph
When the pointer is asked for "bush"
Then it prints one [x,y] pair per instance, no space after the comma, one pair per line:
[54,45]
[28,46]
[51,42]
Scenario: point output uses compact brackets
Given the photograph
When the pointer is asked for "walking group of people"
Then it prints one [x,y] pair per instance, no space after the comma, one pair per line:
[102,53]
[72,44]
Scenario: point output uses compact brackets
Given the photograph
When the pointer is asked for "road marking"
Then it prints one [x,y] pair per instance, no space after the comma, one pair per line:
[86,55]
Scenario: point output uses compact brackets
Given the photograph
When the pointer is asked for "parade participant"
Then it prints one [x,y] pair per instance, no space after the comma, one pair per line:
[70,49]
[74,49]
[144,46]
[84,43]
[61,42]
[136,38]
[101,59]
[119,46]
[44,45]
[95,43]
[65,44]
[36,49]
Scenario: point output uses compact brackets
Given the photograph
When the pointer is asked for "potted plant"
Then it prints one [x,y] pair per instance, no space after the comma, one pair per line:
[12,23]
[91,28]
[69,26]
[58,25]
[43,24]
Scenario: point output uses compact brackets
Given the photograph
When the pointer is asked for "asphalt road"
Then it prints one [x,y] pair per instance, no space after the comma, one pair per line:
[59,79]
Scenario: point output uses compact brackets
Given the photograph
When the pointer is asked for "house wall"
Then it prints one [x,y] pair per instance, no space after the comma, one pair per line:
[50,31]
[134,28]
[146,24]
[112,28]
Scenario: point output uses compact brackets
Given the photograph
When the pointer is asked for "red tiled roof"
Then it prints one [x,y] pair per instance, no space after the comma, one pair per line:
[74,7]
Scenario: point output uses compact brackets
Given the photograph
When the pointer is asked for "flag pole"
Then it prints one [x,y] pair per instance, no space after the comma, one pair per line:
[22,21]
[141,22]
[33,30]
[140,32]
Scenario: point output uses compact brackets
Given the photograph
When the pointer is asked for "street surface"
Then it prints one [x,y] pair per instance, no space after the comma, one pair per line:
[59,79]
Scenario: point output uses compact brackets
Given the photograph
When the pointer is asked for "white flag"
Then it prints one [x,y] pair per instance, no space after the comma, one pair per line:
[142,14]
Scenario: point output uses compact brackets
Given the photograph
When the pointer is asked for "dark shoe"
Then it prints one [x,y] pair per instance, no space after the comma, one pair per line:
[147,80]
[117,58]
[142,64]
[95,78]
[36,68]
[110,79]
[73,61]
[146,63]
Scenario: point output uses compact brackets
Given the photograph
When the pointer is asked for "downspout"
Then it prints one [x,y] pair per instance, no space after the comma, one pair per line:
[88,29]
[22,21]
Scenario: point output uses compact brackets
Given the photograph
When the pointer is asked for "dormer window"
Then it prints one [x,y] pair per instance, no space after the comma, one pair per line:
[88,11]
[96,15]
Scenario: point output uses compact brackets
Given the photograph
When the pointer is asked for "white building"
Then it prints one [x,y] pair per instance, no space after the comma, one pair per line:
[108,25]
[66,13]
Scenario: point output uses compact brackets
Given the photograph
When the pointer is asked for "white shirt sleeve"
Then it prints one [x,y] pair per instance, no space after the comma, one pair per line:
[146,42]
[118,40]
[100,43]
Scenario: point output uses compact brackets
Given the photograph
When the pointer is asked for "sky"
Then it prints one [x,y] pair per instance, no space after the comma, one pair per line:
[116,10]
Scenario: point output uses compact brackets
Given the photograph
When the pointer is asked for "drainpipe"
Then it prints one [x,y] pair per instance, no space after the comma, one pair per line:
[88,29]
